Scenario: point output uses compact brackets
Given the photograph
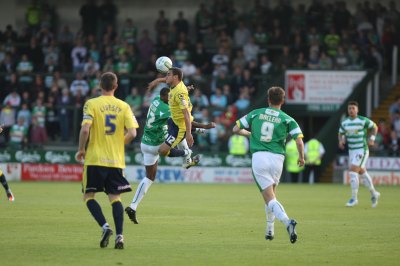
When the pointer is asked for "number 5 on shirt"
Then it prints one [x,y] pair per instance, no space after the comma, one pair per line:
[110,124]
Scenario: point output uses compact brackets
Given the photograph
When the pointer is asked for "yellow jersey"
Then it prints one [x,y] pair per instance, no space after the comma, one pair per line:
[108,117]
[178,100]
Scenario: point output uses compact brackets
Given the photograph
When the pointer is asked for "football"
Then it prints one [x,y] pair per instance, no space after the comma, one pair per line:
[163,64]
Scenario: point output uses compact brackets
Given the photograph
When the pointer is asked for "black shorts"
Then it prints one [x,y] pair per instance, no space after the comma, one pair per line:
[175,134]
[108,179]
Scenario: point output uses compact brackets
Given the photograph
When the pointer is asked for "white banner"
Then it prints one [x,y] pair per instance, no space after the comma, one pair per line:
[171,174]
[390,178]
[12,171]
[320,87]
[373,163]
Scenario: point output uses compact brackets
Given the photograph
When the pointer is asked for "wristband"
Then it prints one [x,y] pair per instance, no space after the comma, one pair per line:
[372,137]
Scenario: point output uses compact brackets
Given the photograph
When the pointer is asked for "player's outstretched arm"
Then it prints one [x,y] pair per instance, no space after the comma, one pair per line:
[201,125]
[155,82]
[243,132]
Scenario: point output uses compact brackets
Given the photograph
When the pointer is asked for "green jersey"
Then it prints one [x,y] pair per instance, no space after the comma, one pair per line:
[269,129]
[355,131]
[40,113]
[156,123]
[18,133]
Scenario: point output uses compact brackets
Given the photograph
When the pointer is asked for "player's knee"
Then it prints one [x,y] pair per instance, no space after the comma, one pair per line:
[87,197]
[355,168]
[151,176]
[163,151]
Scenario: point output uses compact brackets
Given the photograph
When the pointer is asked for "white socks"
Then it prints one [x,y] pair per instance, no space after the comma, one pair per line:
[368,182]
[270,219]
[354,184]
[183,145]
[140,192]
[278,210]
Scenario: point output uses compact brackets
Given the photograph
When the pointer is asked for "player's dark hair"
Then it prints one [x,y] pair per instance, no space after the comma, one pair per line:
[276,95]
[353,103]
[108,81]
[177,72]
[164,91]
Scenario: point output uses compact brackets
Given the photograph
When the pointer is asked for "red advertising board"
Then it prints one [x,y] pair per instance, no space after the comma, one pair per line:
[51,172]
[296,87]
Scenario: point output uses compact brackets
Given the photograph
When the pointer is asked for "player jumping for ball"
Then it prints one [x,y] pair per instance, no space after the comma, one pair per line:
[155,131]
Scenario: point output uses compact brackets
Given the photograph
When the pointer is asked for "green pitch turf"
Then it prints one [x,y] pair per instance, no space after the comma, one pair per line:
[48,224]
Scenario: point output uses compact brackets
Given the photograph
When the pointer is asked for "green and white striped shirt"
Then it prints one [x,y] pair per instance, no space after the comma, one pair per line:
[355,131]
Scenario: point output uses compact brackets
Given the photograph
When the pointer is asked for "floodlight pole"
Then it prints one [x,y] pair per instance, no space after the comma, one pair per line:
[369,99]
[394,65]
[376,89]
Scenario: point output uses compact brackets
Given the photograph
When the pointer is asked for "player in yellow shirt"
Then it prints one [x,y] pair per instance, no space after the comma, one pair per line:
[180,123]
[105,120]
[3,180]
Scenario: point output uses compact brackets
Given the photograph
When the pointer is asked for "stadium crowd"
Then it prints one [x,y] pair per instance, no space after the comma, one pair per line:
[47,71]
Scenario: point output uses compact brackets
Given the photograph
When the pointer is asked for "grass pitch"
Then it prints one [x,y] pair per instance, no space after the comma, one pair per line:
[182,224]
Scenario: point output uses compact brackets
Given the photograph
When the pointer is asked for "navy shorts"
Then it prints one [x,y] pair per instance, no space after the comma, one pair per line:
[108,179]
[175,134]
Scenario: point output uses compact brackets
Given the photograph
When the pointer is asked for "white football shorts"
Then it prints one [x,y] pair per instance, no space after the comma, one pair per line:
[267,168]
[358,157]
[150,154]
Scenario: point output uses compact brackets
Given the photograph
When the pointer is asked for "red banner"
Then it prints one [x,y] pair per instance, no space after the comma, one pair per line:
[296,87]
[51,172]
